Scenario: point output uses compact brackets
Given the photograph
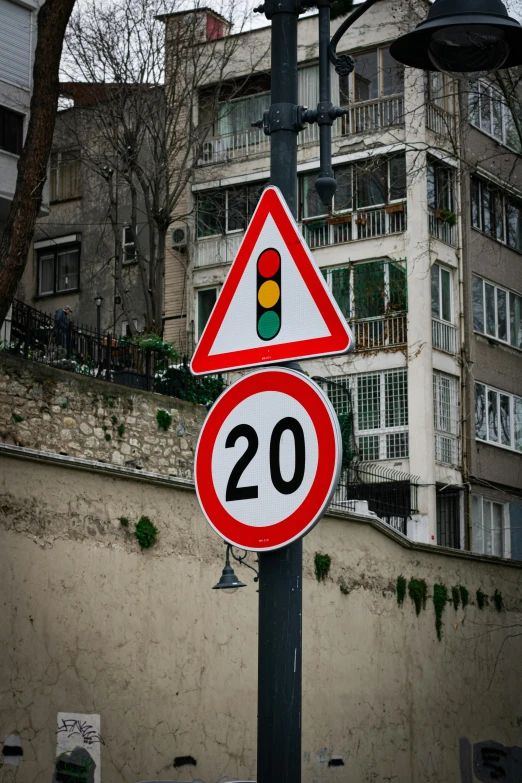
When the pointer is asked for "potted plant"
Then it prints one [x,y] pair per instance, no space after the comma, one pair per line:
[361,220]
[390,208]
[335,220]
[446,215]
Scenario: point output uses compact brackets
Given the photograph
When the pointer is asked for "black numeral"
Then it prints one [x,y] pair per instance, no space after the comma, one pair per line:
[233,491]
[282,486]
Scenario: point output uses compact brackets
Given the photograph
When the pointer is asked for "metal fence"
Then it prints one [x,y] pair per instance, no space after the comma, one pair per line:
[77,348]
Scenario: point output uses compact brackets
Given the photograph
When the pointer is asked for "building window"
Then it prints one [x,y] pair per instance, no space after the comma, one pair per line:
[448,516]
[65,175]
[381,412]
[490,531]
[237,115]
[441,187]
[496,213]
[129,245]
[125,328]
[497,312]
[372,183]
[227,210]
[441,293]
[58,269]
[369,290]
[440,90]
[446,418]
[376,75]
[498,417]
[205,304]
[490,113]
[11,131]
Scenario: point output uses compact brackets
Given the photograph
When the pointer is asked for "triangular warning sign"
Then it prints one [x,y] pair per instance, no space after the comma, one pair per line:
[275,305]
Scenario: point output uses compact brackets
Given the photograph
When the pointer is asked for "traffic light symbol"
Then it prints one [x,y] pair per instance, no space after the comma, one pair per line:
[268,294]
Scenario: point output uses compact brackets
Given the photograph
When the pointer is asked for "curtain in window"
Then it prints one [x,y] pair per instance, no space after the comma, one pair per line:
[237,115]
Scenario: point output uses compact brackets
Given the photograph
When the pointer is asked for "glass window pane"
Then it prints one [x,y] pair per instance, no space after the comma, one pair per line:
[432,191]
[67,270]
[237,209]
[371,183]
[437,89]
[206,302]
[514,225]
[46,275]
[396,392]
[397,166]
[515,320]
[341,289]
[210,213]
[392,74]
[369,289]
[478,304]
[487,218]
[485,108]
[368,402]
[476,518]
[517,423]
[475,203]
[497,521]
[435,291]
[398,287]
[502,314]
[480,412]
[343,195]
[498,212]
[505,421]
[368,448]
[486,517]
[473,101]
[311,203]
[445,284]
[490,310]
[497,115]
[492,415]
[366,77]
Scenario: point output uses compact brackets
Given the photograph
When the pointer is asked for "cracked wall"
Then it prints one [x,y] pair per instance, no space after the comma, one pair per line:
[92,625]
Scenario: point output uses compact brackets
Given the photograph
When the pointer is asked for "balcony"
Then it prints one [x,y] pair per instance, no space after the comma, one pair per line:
[364,224]
[441,226]
[217,250]
[440,121]
[382,332]
[375,115]
[444,336]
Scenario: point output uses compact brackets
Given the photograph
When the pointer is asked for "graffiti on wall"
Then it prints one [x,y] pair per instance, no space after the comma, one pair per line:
[489,762]
[78,742]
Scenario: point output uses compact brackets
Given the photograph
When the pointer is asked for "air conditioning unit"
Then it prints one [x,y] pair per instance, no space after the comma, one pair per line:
[179,237]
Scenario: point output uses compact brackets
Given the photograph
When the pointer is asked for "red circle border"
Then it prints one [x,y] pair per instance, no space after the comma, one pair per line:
[307,514]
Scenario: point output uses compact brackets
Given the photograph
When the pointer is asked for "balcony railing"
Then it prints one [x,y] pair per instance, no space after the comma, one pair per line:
[217,250]
[440,228]
[381,332]
[444,336]
[440,121]
[362,118]
[357,225]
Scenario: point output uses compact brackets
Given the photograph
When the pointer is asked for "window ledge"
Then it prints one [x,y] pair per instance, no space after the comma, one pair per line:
[495,341]
[57,293]
[14,155]
[494,138]
[65,200]
[494,239]
[498,445]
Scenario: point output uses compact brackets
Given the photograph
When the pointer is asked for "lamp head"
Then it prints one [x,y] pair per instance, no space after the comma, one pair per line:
[98,300]
[463,38]
[228,581]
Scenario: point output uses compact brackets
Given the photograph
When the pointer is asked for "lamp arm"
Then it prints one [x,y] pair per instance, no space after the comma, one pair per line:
[242,560]
[344,63]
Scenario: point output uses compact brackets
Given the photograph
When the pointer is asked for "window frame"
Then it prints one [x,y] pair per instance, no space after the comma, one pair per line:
[446,423]
[328,273]
[506,114]
[513,400]
[507,200]
[350,79]
[505,544]
[217,289]
[509,293]
[442,268]
[248,188]
[55,250]
[56,173]
[5,111]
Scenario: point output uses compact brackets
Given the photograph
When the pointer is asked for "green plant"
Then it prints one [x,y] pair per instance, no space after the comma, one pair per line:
[64,404]
[107,436]
[401,589]
[114,420]
[124,521]
[121,429]
[110,403]
[498,601]
[153,342]
[440,599]
[481,599]
[164,419]
[17,417]
[455,597]
[322,566]
[105,428]
[179,382]
[418,592]
[344,590]
[146,532]
[447,216]
[464,596]
[346,427]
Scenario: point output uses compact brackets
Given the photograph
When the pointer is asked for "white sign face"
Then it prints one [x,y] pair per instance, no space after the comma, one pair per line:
[268,459]
[275,304]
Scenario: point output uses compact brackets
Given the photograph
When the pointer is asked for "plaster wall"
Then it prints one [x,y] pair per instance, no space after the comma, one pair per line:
[93,626]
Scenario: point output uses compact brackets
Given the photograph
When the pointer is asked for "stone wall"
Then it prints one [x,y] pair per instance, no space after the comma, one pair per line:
[131,657]
[54,411]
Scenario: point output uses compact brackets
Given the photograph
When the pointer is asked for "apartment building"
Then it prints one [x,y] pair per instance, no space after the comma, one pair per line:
[399,251]
[17,45]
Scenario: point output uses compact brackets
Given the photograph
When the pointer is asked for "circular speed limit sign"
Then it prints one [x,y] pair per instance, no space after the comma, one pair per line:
[268,459]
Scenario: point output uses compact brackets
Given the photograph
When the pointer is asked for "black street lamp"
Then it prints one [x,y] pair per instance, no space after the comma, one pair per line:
[460,37]
[98,302]
[228,580]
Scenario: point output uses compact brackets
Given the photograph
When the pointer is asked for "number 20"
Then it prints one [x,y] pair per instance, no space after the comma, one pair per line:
[284,487]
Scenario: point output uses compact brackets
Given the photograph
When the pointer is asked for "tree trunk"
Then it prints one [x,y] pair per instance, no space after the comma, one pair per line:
[32,165]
